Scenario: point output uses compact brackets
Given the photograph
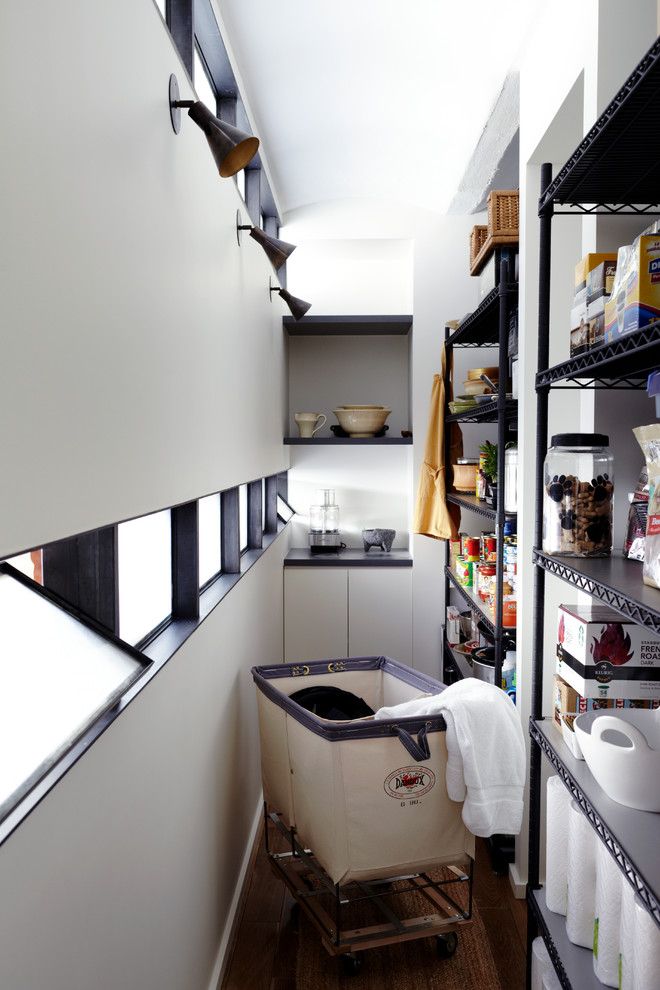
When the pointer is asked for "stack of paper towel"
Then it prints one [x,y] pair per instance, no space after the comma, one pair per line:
[584,883]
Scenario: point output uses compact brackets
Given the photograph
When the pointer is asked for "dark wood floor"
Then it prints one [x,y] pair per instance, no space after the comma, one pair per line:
[264,952]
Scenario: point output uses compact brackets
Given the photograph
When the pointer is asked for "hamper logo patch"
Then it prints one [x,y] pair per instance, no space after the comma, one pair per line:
[409,782]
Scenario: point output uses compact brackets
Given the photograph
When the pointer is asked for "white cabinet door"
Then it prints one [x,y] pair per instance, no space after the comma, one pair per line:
[380,612]
[315,613]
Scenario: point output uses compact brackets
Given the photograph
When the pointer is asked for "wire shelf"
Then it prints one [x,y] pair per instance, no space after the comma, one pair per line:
[615,580]
[481,328]
[614,823]
[621,361]
[573,964]
[475,504]
[601,175]
[487,412]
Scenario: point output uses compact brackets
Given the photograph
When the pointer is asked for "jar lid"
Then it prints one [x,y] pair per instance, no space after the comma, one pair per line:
[580,440]
[467,460]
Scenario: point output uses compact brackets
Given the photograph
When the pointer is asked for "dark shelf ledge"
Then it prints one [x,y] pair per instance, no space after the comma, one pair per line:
[342,326]
[481,328]
[351,557]
[475,504]
[338,441]
[573,964]
[487,412]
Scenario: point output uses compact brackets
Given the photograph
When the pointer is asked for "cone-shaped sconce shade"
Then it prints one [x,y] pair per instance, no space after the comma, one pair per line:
[232,149]
[297,306]
[277,251]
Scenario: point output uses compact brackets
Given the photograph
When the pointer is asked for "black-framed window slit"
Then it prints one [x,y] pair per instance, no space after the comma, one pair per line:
[144,572]
[210,538]
[270,525]
[243,535]
[255,491]
[231,549]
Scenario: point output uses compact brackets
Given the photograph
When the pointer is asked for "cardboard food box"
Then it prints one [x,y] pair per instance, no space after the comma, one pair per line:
[636,300]
[600,281]
[579,330]
[600,654]
[569,704]
[586,265]
[596,322]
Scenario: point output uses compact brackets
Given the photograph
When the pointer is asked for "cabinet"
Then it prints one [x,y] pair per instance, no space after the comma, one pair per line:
[343,611]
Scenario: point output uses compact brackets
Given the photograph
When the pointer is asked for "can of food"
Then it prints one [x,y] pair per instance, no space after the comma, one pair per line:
[471,548]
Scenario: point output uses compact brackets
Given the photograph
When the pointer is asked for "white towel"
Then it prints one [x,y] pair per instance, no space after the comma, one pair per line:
[486,752]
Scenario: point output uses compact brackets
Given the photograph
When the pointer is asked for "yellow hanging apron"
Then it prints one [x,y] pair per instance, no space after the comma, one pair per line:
[433,516]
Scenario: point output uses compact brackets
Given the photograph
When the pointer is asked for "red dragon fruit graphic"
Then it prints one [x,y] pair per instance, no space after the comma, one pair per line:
[612,645]
[562,628]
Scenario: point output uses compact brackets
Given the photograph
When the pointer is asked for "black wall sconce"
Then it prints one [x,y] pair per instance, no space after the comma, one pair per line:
[277,251]
[231,148]
[297,306]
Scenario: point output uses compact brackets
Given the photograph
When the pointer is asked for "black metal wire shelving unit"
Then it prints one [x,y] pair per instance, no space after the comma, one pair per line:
[603,176]
[487,326]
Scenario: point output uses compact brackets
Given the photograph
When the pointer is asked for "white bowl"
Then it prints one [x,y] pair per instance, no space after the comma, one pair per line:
[623,753]
[477,388]
[362,422]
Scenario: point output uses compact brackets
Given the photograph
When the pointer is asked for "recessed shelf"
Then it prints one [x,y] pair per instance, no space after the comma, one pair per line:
[328,326]
[631,836]
[627,358]
[487,412]
[459,660]
[573,964]
[349,441]
[602,170]
[351,557]
[615,580]
[475,504]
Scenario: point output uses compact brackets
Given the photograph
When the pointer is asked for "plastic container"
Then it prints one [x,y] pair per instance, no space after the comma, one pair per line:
[623,753]
[577,498]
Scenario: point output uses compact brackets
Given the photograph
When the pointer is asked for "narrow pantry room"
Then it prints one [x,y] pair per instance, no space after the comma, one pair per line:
[330,542]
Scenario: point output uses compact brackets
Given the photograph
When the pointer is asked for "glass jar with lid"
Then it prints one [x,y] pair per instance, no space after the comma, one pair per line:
[578,487]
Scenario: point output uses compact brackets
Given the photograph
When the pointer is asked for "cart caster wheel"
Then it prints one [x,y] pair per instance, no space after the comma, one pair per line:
[446,945]
[351,964]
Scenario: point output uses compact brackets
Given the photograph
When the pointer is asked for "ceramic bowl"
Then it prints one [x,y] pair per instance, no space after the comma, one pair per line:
[623,753]
[474,374]
[465,477]
[362,422]
[348,406]
[477,388]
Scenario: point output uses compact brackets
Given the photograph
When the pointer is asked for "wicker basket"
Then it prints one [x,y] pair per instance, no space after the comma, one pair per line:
[503,226]
[478,237]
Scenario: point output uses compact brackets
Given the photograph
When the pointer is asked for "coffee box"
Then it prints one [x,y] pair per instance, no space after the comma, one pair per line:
[600,654]
[600,281]
[579,330]
[570,704]
[636,300]
[596,321]
[586,265]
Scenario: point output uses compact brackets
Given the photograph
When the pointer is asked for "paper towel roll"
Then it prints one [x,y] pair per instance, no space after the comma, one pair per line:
[556,846]
[541,963]
[607,919]
[627,937]
[582,841]
[646,949]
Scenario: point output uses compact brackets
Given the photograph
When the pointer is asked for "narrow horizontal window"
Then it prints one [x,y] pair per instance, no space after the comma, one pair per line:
[203,87]
[209,538]
[284,510]
[56,676]
[145,575]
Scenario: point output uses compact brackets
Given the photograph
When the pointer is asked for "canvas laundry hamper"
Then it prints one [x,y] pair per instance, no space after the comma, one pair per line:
[368,797]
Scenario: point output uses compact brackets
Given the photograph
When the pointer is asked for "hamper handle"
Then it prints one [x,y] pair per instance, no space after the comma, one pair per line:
[419,750]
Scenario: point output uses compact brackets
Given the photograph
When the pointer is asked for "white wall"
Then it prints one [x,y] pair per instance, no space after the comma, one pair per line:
[142,360]
[142,365]
[436,273]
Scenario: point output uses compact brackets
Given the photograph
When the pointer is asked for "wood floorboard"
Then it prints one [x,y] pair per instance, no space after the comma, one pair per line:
[265,951]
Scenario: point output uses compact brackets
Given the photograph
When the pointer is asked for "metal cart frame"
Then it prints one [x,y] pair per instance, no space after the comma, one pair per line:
[298,864]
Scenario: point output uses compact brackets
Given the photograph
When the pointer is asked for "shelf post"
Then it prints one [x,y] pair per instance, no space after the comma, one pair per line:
[446,665]
[503,337]
[545,231]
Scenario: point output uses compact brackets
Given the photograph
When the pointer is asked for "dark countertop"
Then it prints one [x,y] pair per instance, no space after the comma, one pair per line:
[351,557]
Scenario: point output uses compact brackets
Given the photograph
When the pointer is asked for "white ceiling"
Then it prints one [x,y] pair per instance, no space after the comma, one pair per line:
[381,99]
